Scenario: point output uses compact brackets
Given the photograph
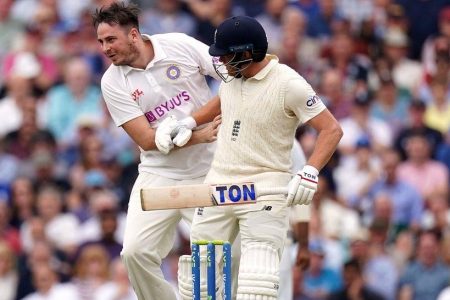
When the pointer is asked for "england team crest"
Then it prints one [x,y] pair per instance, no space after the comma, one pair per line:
[173,72]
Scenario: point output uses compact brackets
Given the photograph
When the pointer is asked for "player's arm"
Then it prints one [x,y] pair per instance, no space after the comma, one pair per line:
[329,135]
[208,112]
[141,133]
[302,101]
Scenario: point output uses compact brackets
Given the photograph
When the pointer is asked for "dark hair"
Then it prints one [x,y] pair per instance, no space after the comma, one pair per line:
[353,263]
[117,13]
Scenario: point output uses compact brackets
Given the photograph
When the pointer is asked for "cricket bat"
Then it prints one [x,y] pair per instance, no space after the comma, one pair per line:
[202,195]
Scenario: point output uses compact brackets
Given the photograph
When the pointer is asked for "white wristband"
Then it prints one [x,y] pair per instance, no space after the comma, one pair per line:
[189,122]
[311,170]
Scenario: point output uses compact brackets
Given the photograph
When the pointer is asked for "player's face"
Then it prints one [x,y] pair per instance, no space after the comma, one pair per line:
[225,60]
[117,43]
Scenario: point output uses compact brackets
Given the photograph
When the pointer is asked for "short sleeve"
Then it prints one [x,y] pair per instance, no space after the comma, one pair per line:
[120,104]
[301,100]
[201,54]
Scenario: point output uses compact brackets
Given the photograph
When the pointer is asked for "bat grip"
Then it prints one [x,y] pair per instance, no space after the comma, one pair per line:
[272,190]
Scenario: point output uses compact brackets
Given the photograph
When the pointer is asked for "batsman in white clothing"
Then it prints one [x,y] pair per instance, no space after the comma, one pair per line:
[150,79]
[262,103]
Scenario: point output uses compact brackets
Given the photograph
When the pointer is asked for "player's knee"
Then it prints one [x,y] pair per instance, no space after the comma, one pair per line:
[259,273]
[136,252]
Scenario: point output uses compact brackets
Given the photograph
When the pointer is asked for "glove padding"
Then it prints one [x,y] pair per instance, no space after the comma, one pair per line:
[182,133]
[302,186]
[163,139]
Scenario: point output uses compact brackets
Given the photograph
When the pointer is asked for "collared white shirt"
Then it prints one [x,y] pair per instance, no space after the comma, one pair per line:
[173,83]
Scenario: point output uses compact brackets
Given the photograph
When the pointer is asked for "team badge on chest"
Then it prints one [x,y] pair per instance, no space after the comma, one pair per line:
[173,72]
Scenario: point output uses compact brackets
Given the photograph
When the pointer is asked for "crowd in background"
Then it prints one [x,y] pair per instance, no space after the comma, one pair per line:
[381,217]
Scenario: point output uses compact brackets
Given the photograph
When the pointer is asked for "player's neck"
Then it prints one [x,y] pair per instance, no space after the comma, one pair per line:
[146,54]
[255,68]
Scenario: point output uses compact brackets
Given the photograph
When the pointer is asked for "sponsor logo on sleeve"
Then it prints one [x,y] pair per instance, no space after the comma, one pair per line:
[313,100]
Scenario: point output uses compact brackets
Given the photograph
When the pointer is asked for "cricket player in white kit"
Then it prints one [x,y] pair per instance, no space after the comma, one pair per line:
[262,103]
[152,77]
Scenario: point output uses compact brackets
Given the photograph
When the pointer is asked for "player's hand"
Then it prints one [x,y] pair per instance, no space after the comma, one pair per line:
[163,139]
[302,186]
[208,134]
[182,133]
[303,257]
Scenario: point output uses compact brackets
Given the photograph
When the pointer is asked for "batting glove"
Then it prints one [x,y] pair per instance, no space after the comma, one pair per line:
[163,139]
[302,186]
[183,131]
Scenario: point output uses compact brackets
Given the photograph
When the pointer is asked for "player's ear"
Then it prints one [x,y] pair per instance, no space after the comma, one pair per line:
[134,33]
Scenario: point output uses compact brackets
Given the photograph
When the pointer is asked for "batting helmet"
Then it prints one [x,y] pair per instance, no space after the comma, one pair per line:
[237,35]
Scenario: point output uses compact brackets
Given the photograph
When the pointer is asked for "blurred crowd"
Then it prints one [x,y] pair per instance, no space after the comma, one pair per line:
[381,218]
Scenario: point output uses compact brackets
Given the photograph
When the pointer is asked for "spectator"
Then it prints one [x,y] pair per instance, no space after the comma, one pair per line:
[167,16]
[338,221]
[8,273]
[75,98]
[91,271]
[119,287]
[426,276]
[333,95]
[402,249]
[49,206]
[416,124]
[8,234]
[437,113]
[108,225]
[363,166]
[438,215]
[380,271]
[9,166]
[271,20]
[41,254]
[389,106]
[361,125]
[395,47]
[45,281]
[18,90]
[22,200]
[318,281]
[102,201]
[407,205]
[354,286]
[427,175]
[320,25]
[32,62]
[438,44]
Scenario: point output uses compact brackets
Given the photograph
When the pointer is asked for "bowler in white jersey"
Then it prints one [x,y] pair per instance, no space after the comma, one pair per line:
[262,104]
[150,79]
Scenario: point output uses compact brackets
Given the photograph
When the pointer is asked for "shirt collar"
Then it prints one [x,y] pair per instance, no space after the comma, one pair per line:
[273,60]
[160,54]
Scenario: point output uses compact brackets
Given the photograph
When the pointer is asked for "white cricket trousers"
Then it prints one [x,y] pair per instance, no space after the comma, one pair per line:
[149,237]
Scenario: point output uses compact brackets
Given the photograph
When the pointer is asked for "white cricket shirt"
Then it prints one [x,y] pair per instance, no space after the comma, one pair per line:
[259,119]
[173,83]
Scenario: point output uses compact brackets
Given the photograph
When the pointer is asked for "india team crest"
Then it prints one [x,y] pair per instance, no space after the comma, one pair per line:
[173,72]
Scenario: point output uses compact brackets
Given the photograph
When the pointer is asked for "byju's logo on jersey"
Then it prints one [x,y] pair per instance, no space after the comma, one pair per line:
[235,131]
[173,72]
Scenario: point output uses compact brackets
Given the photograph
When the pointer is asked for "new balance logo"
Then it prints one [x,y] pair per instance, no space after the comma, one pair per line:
[267,207]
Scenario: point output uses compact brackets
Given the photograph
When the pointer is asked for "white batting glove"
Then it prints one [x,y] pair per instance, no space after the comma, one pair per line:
[183,131]
[163,139]
[302,186]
